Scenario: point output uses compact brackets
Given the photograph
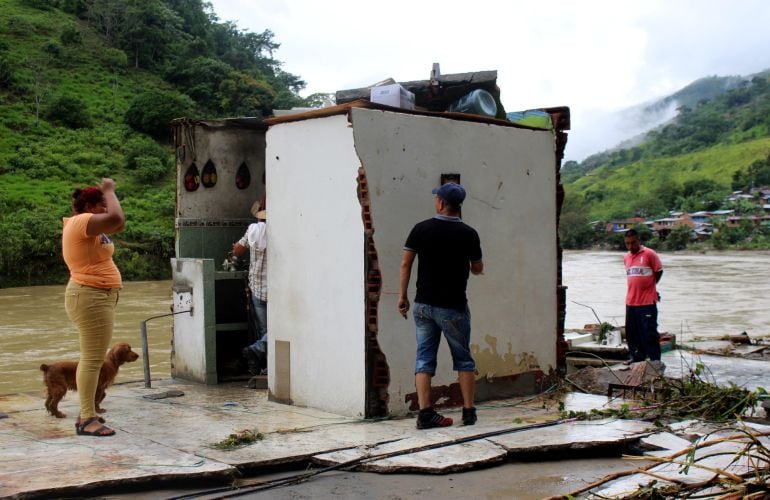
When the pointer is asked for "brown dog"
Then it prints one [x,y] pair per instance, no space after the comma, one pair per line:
[60,377]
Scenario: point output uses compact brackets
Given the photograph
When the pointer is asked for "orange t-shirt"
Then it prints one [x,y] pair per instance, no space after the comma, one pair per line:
[89,258]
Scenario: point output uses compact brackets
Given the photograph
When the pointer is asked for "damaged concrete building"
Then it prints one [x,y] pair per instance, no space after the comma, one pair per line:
[344,185]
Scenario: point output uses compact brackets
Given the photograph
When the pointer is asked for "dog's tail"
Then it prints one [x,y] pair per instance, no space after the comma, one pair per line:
[44,368]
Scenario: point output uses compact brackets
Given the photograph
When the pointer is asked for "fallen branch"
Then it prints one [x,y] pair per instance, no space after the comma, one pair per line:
[738,479]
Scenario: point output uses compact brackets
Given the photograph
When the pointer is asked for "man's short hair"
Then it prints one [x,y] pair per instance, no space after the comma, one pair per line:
[631,233]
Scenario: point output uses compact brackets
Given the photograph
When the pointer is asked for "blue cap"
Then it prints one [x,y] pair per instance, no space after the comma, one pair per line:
[451,192]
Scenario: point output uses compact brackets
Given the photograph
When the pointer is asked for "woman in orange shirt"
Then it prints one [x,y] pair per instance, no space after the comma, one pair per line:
[92,292]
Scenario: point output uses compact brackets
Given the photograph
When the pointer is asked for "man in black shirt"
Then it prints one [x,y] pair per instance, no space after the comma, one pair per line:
[448,250]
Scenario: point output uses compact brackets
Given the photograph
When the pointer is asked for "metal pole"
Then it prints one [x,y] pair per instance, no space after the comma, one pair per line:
[145,354]
[146,346]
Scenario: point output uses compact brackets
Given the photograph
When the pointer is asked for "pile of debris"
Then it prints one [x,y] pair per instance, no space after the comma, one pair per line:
[713,440]
[709,462]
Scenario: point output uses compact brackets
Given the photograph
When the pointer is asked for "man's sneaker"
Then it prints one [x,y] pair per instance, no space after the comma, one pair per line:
[428,419]
[469,416]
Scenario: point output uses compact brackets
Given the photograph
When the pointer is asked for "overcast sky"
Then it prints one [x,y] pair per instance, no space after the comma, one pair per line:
[594,56]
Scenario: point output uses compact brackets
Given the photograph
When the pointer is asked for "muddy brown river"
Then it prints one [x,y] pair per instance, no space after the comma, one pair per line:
[703,295]
[34,329]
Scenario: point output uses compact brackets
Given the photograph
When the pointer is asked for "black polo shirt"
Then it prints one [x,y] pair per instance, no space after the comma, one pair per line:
[445,247]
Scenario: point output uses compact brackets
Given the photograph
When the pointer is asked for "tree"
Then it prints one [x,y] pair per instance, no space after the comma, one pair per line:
[151,112]
[201,78]
[116,60]
[243,95]
[679,237]
[68,110]
[745,207]
[756,175]
[76,7]
[574,229]
[321,99]
[70,35]
[148,30]
[107,16]
[6,73]
[644,232]
[40,86]
[667,192]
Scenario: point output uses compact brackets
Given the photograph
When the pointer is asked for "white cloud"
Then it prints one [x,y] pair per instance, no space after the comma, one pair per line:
[593,56]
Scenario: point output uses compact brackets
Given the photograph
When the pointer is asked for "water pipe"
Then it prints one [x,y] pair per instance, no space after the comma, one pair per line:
[146,347]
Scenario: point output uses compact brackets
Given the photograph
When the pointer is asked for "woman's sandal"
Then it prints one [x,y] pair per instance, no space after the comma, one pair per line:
[101,431]
[77,422]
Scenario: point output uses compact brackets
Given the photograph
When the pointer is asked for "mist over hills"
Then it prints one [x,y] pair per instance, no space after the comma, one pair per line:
[718,141]
[609,131]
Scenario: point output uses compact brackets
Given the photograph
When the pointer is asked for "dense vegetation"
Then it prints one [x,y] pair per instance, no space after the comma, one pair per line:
[87,89]
[717,146]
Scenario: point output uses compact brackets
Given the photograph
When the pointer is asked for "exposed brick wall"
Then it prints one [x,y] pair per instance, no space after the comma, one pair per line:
[377,369]
[561,290]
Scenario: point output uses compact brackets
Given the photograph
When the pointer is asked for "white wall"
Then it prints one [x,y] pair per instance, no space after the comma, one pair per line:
[316,263]
[191,358]
[510,179]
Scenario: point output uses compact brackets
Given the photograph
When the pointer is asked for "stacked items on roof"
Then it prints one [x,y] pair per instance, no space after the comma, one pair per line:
[473,93]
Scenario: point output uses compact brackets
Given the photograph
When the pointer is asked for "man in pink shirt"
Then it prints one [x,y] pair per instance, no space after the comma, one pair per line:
[643,271]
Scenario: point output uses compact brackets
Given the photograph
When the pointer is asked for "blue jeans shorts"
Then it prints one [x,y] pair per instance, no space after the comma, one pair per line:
[456,325]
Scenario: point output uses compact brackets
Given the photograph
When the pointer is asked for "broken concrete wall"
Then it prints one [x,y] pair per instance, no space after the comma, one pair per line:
[316,312]
[510,178]
[227,145]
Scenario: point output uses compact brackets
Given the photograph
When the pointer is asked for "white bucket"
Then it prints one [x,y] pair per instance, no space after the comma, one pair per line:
[613,338]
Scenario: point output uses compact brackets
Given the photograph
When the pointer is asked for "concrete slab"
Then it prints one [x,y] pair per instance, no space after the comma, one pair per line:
[173,438]
[46,457]
[573,436]
[442,460]
[483,449]
[666,444]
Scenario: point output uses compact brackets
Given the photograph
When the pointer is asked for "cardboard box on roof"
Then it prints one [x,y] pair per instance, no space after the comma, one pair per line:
[392,95]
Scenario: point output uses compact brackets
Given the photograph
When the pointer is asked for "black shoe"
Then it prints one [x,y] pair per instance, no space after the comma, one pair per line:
[428,419]
[469,416]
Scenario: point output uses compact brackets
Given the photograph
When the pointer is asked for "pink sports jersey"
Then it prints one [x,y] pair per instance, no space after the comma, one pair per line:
[640,271]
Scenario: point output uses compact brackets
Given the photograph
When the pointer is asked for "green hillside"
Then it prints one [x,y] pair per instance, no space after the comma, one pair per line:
[712,148]
[651,187]
[87,90]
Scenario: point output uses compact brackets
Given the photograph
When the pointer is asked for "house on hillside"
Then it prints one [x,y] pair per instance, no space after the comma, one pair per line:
[621,226]
[662,227]
[754,220]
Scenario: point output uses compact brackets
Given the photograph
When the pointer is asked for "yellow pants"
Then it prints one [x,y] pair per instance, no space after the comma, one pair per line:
[93,312]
